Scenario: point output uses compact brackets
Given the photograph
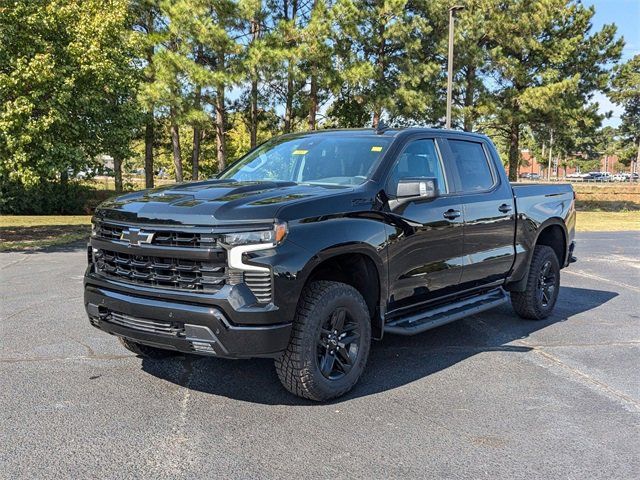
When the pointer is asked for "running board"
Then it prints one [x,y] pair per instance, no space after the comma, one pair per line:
[428,319]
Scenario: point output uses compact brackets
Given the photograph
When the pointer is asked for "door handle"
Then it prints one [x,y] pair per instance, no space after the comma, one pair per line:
[504,208]
[451,214]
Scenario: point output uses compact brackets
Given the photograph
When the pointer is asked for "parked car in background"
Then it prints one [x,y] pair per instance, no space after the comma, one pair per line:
[577,175]
[598,177]
[620,177]
[530,176]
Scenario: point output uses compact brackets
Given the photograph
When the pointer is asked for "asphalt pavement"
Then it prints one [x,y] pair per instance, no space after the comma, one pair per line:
[490,396]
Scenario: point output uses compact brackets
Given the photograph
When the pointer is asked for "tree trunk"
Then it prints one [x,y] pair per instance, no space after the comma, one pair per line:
[313,98]
[514,150]
[117,169]
[253,114]
[197,136]
[468,98]
[149,130]
[220,119]
[253,120]
[313,88]
[175,144]
[380,66]
[195,154]
[288,110]
[376,118]
[149,136]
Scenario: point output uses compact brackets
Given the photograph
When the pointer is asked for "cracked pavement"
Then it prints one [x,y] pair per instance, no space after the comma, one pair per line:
[488,396]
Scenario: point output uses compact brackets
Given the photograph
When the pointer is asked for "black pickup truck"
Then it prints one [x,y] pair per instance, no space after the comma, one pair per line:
[314,244]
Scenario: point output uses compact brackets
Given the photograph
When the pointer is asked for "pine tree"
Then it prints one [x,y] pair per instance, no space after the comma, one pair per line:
[626,93]
[544,61]
[383,48]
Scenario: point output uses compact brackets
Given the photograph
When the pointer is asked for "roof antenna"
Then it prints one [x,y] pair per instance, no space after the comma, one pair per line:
[381,127]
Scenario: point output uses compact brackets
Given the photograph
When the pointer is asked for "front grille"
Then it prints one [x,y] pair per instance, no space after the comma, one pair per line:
[165,272]
[161,238]
[173,329]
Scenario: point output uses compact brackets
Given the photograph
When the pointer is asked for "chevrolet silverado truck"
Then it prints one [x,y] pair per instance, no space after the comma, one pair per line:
[313,244]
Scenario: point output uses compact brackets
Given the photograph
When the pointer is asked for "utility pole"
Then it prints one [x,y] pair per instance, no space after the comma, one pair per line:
[550,156]
[452,12]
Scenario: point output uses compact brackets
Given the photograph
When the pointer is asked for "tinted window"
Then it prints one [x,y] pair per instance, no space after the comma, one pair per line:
[317,158]
[419,159]
[475,173]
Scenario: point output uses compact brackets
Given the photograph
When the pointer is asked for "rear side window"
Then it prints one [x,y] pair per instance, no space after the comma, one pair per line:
[473,165]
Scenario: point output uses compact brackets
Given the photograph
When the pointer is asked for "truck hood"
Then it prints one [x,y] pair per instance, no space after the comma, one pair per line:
[211,202]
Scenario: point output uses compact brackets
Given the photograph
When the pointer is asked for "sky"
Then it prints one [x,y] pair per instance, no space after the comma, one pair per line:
[626,15]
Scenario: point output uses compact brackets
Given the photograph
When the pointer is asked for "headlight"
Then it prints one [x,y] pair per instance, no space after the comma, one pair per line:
[273,236]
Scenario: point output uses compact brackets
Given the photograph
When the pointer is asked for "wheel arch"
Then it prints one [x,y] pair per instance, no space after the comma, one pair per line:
[552,233]
[358,265]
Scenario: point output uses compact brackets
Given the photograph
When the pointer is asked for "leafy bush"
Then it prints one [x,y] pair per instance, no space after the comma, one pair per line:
[48,198]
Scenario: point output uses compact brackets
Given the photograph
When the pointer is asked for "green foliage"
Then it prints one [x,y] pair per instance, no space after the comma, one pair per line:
[545,62]
[626,92]
[67,86]
[47,197]
[204,80]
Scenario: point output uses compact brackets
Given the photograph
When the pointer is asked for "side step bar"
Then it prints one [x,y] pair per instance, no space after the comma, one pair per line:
[428,319]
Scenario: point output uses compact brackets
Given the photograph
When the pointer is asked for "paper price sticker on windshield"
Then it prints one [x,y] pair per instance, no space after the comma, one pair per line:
[376,149]
[300,152]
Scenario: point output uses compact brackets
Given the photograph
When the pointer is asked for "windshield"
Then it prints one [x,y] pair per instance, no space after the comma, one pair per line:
[318,158]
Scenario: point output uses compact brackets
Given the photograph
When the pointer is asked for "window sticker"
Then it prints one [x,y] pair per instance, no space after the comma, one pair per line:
[300,152]
[376,149]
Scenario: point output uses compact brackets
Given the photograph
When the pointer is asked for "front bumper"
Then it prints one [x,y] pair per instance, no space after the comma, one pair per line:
[185,327]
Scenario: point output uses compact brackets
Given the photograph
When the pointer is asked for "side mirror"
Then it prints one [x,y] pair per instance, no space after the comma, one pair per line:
[417,188]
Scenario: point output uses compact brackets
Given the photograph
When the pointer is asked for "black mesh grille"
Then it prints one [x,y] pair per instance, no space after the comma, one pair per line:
[161,238]
[164,272]
[173,329]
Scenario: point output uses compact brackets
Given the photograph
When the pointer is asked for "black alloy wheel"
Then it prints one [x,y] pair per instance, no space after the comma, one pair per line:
[329,343]
[546,284]
[538,299]
[338,345]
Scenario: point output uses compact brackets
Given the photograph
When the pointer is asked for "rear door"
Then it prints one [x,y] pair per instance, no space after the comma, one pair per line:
[489,213]
[425,251]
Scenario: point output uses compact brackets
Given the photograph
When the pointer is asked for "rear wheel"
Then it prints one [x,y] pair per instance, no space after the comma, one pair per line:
[145,350]
[543,283]
[329,343]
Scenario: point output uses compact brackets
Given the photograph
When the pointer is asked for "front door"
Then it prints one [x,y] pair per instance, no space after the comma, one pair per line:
[425,252]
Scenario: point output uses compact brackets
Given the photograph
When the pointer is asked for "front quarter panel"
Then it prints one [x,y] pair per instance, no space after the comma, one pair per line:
[311,241]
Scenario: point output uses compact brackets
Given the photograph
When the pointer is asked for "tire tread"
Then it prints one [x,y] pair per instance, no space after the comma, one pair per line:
[293,369]
[526,303]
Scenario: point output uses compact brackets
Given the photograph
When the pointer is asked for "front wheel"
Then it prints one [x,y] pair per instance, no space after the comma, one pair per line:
[329,343]
[543,284]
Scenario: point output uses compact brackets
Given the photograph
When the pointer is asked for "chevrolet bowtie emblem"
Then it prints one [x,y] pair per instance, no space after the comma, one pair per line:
[135,236]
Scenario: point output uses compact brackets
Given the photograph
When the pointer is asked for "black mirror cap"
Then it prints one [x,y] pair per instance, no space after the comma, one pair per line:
[418,187]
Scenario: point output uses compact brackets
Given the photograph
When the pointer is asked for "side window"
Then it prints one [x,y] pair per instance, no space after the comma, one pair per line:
[419,159]
[473,165]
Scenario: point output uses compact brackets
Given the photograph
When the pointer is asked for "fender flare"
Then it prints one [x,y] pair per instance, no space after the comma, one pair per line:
[368,251]
[520,284]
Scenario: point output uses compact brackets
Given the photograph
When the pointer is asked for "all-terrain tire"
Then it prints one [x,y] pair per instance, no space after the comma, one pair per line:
[543,283]
[299,367]
[145,351]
